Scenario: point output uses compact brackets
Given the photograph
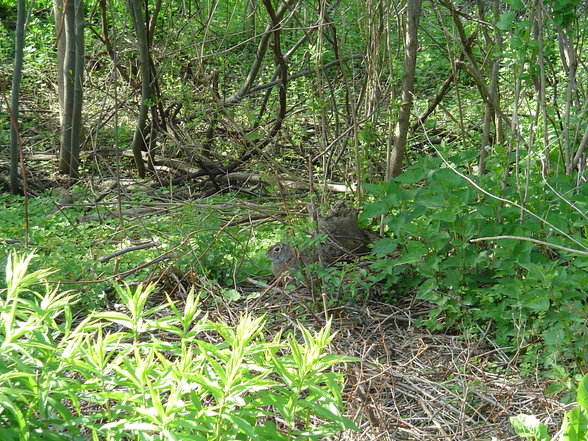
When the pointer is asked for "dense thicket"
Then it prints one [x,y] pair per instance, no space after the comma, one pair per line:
[460,127]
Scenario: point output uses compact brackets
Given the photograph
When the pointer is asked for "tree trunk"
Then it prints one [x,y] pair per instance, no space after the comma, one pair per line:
[70,62]
[396,154]
[15,97]
[249,10]
[68,72]
[572,107]
[146,97]
[60,38]
[490,115]
[78,90]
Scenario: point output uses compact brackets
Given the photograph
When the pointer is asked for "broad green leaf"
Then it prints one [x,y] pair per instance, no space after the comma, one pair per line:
[374,189]
[453,278]
[553,336]
[537,301]
[411,176]
[414,253]
[516,43]
[447,215]
[528,426]
[374,209]
[464,156]
[448,178]
[432,200]
[516,4]
[385,246]
[505,21]
[427,290]
[10,434]
[231,294]
[559,5]
[575,425]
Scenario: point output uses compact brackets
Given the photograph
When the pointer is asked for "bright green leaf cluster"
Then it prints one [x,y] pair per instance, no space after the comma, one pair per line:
[154,373]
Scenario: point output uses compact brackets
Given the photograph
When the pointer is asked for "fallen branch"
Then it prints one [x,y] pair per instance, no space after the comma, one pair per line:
[142,246]
[125,274]
[286,183]
[134,212]
[530,239]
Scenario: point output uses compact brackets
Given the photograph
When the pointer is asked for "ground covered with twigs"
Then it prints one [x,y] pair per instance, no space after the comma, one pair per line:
[411,384]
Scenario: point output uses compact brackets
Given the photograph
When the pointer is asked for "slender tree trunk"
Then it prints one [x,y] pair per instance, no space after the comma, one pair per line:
[78,90]
[70,67]
[539,21]
[491,117]
[135,8]
[249,7]
[68,86]
[15,97]
[572,107]
[396,154]
[60,38]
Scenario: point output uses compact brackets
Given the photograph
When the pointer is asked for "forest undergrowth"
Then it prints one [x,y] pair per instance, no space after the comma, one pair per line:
[137,300]
[418,346]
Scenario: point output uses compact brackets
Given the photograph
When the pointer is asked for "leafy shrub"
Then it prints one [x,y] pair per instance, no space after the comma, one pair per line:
[134,374]
[534,297]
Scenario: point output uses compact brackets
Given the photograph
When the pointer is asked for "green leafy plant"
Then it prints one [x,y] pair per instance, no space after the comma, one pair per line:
[574,427]
[531,295]
[140,373]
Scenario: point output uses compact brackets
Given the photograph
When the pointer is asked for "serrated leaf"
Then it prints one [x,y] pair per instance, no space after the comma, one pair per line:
[553,336]
[448,178]
[385,246]
[538,303]
[375,209]
[373,189]
[516,4]
[411,176]
[447,215]
[431,200]
[505,21]
[427,290]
